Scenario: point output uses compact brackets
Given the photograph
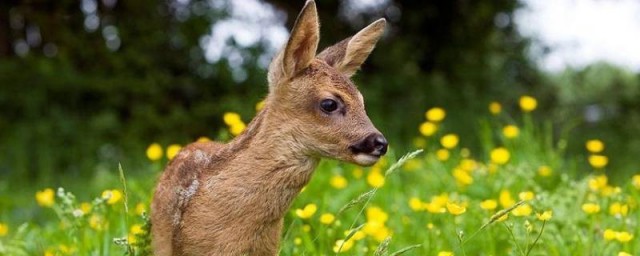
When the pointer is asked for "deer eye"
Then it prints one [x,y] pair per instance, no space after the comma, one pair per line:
[328,105]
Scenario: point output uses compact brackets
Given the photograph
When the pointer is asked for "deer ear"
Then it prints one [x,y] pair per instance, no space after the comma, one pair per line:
[301,47]
[348,55]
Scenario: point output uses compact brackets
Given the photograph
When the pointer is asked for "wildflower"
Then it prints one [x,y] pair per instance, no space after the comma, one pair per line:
[544,171]
[445,253]
[635,181]
[623,236]
[136,229]
[462,177]
[357,173]
[376,214]
[624,254]
[609,234]
[342,246]
[526,196]
[358,235]
[456,209]
[231,118]
[112,196]
[140,209]
[375,225]
[49,252]
[442,154]
[505,199]
[338,181]
[430,225]
[428,128]
[598,182]
[172,150]
[500,156]
[4,229]
[510,131]
[522,210]
[449,141]
[327,218]
[85,207]
[590,208]
[307,211]
[375,179]
[594,146]
[489,204]
[237,129]
[260,105]
[96,222]
[45,198]
[435,114]
[598,161]
[415,204]
[528,103]
[495,108]
[203,139]
[545,216]
[297,241]
[468,165]
[618,209]
[306,228]
[154,152]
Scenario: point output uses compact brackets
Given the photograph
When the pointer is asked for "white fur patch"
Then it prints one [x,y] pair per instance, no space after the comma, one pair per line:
[201,157]
[365,159]
[184,195]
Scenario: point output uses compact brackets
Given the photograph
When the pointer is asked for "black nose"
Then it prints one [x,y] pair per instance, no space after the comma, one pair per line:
[374,144]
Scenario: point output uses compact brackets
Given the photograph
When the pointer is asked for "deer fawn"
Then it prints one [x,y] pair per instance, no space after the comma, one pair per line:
[230,199]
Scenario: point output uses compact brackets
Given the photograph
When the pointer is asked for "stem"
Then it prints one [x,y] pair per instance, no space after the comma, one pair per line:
[514,238]
[537,238]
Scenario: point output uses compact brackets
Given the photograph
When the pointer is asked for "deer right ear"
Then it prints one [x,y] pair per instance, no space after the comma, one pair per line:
[300,49]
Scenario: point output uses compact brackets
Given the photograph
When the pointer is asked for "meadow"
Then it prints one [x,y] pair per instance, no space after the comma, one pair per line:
[521,194]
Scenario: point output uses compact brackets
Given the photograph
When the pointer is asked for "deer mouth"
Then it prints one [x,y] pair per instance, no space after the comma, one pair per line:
[365,159]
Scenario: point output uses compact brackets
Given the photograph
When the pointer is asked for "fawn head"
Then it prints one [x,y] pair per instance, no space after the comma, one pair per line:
[315,96]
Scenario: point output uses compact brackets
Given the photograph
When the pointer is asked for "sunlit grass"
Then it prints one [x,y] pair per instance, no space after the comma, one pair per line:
[520,195]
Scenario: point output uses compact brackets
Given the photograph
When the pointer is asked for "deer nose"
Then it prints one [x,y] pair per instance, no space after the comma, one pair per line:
[374,144]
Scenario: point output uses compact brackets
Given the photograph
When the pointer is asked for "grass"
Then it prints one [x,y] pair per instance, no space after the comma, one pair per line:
[520,195]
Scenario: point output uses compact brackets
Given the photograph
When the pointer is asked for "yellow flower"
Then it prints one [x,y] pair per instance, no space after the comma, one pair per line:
[428,128]
[154,152]
[468,165]
[435,114]
[598,161]
[545,171]
[416,204]
[609,234]
[237,128]
[96,222]
[85,207]
[327,218]
[306,228]
[449,141]
[376,214]
[522,210]
[456,209]
[136,229]
[442,154]
[203,139]
[140,208]
[619,209]
[297,241]
[375,179]
[4,229]
[357,173]
[445,253]
[591,208]
[307,211]
[594,146]
[500,156]
[545,216]
[505,199]
[358,235]
[526,195]
[338,181]
[231,118]
[635,181]
[623,236]
[528,103]
[342,246]
[45,198]
[260,105]
[510,131]
[49,252]
[624,254]
[489,204]
[495,108]
[462,176]
[598,182]
[112,196]
[172,150]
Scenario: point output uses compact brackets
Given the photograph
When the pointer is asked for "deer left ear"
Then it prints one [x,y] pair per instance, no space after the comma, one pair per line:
[348,55]
[301,47]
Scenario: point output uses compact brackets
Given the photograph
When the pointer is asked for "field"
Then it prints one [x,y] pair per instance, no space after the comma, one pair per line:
[519,195]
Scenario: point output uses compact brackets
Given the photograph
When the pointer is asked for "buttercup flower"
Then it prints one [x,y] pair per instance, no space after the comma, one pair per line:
[528,103]
[307,211]
[598,161]
[4,229]
[545,216]
[526,196]
[456,209]
[590,208]
[510,131]
[172,150]
[522,210]
[342,246]
[45,198]
[544,171]
[260,105]
[231,118]
[375,179]
[449,141]
[435,114]
[489,204]
[500,156]
[635,181]
[338,181]
[154,152]
[495,108]
[327,218]
[462,176]
[505,199]
[112,196]
[445,253]
[594,146]
[428,128]
[442,154]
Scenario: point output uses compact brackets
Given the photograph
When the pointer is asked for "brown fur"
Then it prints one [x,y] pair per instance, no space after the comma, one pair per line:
[230,199]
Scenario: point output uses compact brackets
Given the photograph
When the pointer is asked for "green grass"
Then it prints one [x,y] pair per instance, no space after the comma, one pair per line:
[395,207]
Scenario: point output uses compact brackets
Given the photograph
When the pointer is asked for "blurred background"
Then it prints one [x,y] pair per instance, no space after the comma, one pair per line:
[88,84]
